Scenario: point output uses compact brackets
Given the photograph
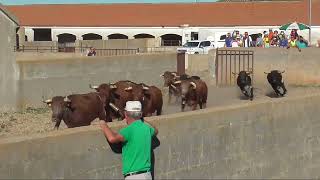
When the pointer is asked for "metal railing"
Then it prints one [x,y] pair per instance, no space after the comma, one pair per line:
[83,50]
[232,61]
[171,43]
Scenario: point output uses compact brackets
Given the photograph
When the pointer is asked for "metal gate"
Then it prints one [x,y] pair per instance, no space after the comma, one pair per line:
[232,61]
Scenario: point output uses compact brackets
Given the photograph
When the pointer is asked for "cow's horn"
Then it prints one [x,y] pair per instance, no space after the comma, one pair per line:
[173,73]
[162,75]
[266,73]
[113,86]
[194,85]
[93,87]
[66,99]
[234,73]
[145,88]
[177,82]
[128,88]
[114,107]
[282,71]
[48,101]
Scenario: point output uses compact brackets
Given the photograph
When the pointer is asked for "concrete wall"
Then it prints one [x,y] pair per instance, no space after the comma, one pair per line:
[275,138]
[45,77]
[8,69]
[38,56]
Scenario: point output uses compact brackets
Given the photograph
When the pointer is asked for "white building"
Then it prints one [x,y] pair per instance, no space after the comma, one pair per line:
[173,24]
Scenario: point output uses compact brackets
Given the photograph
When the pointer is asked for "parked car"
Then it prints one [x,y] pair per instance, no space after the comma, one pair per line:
[196,47]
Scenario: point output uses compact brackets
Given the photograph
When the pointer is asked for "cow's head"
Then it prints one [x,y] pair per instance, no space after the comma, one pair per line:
[58,105]
[186,87]
[169,78]
[145,93]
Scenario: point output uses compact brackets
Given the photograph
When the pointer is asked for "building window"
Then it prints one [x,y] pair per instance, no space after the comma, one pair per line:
[42,35]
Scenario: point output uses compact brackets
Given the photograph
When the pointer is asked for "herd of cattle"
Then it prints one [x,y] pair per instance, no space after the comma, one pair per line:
[108,101]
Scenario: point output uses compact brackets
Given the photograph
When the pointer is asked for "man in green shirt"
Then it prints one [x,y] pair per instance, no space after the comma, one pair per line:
[136,139]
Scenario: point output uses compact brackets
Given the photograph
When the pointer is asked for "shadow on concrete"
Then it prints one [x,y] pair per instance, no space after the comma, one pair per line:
[272,94]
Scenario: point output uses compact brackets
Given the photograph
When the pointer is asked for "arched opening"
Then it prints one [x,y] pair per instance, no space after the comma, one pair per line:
[66,42]
[171,40]
[91,36]
[117,36]
[142,36]
[25,38]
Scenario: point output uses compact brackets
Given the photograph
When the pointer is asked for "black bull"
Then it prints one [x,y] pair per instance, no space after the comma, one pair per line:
[275,80]
[245,83]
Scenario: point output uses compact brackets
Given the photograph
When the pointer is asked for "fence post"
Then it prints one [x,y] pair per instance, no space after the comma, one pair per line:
[181,63]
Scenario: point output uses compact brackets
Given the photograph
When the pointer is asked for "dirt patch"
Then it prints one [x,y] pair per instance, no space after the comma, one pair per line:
[28,121]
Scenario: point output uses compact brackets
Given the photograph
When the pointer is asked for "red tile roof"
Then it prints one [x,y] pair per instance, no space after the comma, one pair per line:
[172,15]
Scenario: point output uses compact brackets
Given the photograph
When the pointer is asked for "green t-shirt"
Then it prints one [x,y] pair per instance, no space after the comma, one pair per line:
[136,150]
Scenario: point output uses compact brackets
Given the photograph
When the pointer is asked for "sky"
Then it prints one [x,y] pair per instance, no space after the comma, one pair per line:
[21,2]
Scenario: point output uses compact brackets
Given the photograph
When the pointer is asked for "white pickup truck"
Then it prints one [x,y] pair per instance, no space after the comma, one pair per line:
[196,47]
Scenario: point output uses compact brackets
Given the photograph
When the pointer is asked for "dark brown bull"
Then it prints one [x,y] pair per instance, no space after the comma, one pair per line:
[193,92]
[175,89]
[152,100]
[120,93]
[77,109]
[106,89]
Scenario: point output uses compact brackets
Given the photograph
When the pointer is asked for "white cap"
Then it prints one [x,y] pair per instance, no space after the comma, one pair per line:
[133,106]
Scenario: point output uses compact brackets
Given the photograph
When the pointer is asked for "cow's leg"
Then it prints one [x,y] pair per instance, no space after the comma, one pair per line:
[169,98]
[194,106]
[159,111]
[183,106]
[284,89]
[56,126]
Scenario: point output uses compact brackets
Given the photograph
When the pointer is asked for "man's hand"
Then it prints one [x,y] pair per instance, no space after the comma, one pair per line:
[113,137]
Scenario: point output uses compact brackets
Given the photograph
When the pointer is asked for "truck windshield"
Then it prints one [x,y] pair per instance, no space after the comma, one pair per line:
[191,44]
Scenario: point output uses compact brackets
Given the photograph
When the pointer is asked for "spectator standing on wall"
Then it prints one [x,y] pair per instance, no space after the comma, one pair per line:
[266,42]
[228,40]
[275,39]
[302,43]
[136,139]
[293,43]
[270,35]
[283,41]
[247,40]
[259,41]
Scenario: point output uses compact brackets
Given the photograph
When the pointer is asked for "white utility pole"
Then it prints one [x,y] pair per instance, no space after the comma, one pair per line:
[310,22]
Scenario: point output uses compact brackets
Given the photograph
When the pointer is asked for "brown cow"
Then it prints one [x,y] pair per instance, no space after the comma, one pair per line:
[124,91]
[77,109]
[175,89]
[152,100]
[106,89]
[193,92]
